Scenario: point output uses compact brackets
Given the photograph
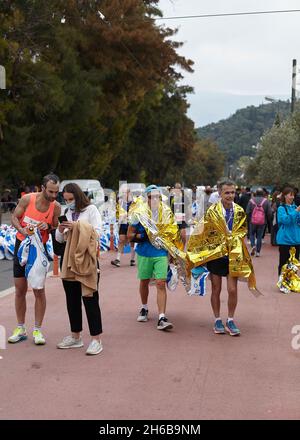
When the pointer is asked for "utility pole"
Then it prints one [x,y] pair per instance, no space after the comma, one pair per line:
[2,87]
[294,80]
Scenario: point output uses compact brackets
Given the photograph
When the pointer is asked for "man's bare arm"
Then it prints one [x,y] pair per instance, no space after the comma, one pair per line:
[131,233]
[18,212]
[56,214]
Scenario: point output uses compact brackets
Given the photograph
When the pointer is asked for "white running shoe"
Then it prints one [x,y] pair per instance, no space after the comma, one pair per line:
[19,334]
[95,347]
[38,337]
[143,315]
[164,324]
[70,342]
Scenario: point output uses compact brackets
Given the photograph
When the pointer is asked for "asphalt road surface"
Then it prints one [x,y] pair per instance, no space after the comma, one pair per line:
[145,374]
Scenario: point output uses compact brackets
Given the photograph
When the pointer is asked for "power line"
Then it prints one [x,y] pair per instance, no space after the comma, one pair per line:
[229,14]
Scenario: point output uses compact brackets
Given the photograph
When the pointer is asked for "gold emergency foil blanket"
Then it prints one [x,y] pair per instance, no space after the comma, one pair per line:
[211,239]
[163,233]
[289,281]
[121,214]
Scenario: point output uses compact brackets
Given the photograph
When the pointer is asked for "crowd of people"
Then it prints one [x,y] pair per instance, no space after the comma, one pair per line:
[153,227]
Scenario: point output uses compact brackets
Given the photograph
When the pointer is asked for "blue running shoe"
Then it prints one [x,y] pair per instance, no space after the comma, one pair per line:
[219,328]
[232,328]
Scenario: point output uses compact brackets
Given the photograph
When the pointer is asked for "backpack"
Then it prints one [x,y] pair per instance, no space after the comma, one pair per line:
[258,216]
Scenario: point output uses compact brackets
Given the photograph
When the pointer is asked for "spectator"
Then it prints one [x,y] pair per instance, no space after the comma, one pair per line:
[259,212]
[7,201]
[178,207]
[215,196]
[124,202]
[81,210]
[297,197]
[243,202]
[244,198]
[274,205]
[288,235]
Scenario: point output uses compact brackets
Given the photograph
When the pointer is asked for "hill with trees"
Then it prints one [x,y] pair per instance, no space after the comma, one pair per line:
[238,135]
[277,160]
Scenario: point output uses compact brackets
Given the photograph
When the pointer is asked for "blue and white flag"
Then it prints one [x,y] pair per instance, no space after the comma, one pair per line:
[33,256]
[172,277]
[198,281]
[2,254]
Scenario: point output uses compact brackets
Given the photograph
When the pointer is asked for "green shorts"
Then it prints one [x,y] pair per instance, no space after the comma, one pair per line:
[152,267]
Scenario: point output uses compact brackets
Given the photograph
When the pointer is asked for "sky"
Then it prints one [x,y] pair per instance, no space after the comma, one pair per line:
[237,60]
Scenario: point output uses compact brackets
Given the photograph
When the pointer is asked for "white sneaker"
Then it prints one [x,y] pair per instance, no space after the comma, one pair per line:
[70,342]
[284,289]
[95,347]
[38,337]
[164,324]
[19,334]
[143,315]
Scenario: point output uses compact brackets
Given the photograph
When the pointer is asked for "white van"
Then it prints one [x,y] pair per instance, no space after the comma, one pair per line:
[92,188]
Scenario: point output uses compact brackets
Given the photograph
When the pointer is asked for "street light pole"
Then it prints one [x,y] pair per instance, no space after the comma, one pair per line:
[294,79]
[2,87]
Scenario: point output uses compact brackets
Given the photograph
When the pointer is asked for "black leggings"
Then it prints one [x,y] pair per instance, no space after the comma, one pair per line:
[91,304]
[284,255]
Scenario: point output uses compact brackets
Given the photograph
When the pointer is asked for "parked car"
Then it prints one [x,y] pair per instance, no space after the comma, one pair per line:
[92,188]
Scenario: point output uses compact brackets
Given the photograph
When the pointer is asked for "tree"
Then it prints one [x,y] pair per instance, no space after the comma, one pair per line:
[81,76]
[204,166]
[278,157]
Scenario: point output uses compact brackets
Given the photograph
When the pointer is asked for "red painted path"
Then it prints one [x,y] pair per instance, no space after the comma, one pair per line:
[188,373]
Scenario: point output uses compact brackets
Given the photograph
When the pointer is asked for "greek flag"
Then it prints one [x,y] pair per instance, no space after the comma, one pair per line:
[198,281]
[33,256]
[172,277]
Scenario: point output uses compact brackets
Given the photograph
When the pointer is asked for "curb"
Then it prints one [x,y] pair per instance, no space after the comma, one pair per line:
[11,290]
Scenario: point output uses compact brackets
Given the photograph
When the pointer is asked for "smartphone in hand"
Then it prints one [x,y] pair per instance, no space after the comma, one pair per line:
[62,218]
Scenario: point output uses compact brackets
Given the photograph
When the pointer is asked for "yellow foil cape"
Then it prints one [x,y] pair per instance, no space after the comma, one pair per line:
[163,233]
[211,239]
[289,281]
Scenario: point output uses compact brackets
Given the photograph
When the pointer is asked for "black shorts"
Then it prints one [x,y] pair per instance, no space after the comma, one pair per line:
[19,271]
[182,225]
[220,266]
[123,229]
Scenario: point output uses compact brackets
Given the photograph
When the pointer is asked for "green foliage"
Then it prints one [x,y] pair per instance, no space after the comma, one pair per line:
[237,135]
[88,97]
[278,157]
[203,167]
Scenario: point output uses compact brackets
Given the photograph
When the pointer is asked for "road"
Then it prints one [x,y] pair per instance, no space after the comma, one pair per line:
[6,274]
[187,373]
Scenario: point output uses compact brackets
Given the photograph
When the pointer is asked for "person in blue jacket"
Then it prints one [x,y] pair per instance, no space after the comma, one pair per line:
[288,218]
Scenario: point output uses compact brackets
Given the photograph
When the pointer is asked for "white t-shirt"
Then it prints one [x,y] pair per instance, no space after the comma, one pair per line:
[91,215]
[214,198]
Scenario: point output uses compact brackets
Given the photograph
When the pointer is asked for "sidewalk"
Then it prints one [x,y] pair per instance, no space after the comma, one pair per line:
[187,373]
